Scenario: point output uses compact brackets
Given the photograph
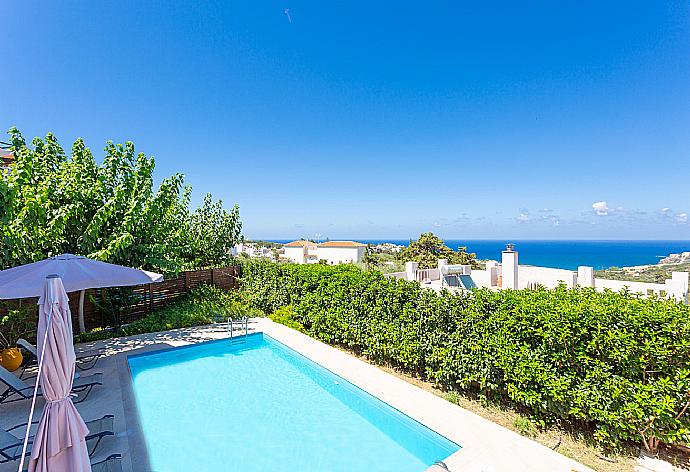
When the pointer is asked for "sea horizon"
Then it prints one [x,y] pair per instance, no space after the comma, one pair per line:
[559,253]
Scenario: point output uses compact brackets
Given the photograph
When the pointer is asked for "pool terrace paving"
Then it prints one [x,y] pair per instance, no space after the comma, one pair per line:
[485,446]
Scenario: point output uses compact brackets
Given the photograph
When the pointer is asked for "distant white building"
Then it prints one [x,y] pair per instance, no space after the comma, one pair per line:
[252,250]
[301,252]
[332,252]
[340,252]
[388,247]
[510,274]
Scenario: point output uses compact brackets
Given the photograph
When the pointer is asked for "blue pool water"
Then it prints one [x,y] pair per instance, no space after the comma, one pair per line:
[261,406]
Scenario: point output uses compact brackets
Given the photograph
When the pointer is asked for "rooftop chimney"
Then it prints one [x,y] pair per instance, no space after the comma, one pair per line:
[509,267]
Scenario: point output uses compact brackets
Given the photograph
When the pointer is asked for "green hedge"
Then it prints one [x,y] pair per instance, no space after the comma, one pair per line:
[614,362]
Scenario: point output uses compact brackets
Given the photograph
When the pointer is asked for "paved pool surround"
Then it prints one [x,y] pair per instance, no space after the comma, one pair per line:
[485,446]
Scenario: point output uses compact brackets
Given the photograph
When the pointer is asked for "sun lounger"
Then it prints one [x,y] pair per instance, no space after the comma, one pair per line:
[17,389]
[85,360]
[11,446]
[112,463]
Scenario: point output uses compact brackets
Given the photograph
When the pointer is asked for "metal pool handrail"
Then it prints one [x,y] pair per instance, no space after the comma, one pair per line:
[231,326]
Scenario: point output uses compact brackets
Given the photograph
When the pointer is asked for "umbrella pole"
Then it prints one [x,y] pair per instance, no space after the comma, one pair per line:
[82,326]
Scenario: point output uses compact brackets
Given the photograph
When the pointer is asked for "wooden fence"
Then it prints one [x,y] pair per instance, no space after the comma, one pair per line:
[145,298]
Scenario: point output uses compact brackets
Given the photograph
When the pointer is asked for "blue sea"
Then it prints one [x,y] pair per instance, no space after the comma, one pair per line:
[567,254]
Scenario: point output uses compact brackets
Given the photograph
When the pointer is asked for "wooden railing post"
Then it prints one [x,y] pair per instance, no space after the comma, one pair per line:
[150,298]
[187,283]
[212,271]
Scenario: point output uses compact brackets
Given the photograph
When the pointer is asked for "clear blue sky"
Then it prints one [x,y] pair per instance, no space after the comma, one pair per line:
[548,120]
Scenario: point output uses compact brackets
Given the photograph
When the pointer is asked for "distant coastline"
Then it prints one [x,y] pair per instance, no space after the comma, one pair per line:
[564,254]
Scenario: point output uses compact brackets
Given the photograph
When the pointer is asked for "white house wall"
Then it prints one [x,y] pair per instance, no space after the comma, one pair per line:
[481,278]
[337,255]
[295,254]
[675,287]
[546,276]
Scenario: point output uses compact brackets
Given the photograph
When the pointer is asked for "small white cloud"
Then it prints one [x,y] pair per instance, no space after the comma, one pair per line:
[601,208]
[523,217]
[671,216]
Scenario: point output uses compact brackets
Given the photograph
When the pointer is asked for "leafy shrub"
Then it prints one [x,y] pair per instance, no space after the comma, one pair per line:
[286,316]
[614,362]
[97,334]
[525,426]
[16,321]
[114,302]
[453,397]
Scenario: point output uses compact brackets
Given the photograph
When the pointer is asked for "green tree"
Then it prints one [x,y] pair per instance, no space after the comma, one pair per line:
[213,232]
[429,248]
[51,204]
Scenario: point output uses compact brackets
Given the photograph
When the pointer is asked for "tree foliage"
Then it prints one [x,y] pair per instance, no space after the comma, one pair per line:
[370,260]
[617,363]
[429,248]
[51,204]
[213,231]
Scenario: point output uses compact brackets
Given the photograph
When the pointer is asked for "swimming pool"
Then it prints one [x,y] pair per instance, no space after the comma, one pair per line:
[260,406]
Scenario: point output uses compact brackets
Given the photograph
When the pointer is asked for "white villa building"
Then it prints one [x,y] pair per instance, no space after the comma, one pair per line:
[301,252]
[333,252]
[337,252]
[510,274]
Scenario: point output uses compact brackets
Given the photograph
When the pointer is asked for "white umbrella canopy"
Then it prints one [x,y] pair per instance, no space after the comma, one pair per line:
[78,273]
